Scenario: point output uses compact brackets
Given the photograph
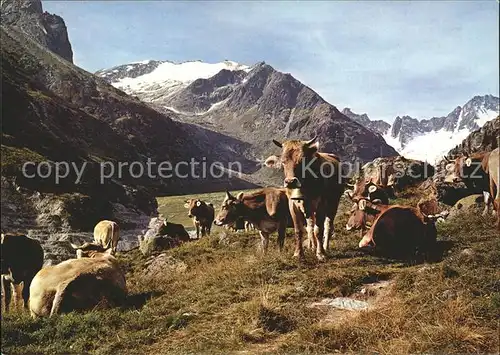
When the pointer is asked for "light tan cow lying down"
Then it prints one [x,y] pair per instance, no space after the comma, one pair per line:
[77,285]
[107,234]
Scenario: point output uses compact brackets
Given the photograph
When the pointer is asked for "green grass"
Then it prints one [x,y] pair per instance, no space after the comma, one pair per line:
[231,298]
[173,208]
[13,158]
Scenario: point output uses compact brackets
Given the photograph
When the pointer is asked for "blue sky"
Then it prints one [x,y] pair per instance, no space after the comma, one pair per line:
[384,58]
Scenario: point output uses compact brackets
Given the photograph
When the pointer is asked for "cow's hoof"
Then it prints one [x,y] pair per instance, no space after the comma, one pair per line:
[321,257]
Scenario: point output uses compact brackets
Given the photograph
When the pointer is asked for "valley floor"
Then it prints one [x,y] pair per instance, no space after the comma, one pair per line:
[220,295]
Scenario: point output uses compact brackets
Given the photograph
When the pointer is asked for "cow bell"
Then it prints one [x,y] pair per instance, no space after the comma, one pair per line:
[296,194]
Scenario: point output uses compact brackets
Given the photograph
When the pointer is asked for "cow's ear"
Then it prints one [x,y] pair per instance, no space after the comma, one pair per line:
[468,162]
[273,162]
[277,143]
[198,203]
[240,196]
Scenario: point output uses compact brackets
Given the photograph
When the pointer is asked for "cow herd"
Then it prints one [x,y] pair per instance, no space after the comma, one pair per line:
[308,203]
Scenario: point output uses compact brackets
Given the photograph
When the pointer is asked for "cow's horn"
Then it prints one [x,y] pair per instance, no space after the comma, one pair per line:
[362,205]
[311,141]
[349,193]
[277,143]
[74,246]
[377,201]
[372,189]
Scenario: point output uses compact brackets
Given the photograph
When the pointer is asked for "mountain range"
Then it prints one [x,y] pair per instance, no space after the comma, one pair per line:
[256,103]
[430,139]
[251,103]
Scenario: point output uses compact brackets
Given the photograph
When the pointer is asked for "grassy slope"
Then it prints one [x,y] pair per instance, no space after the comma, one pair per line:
[233,299]
[172,207]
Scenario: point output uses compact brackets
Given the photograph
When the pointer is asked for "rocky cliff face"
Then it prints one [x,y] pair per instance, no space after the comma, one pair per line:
[377,126]
[252,104]
[47,29]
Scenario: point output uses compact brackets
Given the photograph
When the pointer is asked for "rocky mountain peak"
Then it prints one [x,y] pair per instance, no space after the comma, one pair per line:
[377,126]
[47,29]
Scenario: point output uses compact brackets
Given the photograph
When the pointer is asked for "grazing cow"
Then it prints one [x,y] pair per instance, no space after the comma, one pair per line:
[398,230]
[107,234]
[313,186]
[77,285]
[21,259]
[474,171]
[202,214]
[266,209]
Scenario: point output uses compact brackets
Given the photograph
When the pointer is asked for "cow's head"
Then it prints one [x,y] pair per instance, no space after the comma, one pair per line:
[91,250]
[295,156]
[358,214]
[195,207]
[230,210]
[462,167]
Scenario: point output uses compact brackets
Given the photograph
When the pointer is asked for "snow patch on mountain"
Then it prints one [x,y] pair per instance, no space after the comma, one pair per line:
[174,75]
[429,140]
[429,147]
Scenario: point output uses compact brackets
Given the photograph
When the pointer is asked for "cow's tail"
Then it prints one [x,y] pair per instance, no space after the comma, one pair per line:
[110,241]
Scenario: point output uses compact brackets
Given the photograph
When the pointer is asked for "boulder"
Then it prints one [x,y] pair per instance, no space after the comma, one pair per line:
[472,203]
[157,244]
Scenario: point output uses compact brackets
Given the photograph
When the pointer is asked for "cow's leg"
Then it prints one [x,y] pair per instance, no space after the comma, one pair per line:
[311,240]
[197,226]
[6,292]
[298,225]
[331,212]
[26,293]
[281,235]
[487,202]
[318,236]
[328,231]
[264,240]
[18,289]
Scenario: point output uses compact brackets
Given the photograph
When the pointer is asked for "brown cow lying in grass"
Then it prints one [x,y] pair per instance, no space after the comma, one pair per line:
[397,231]
[77,285]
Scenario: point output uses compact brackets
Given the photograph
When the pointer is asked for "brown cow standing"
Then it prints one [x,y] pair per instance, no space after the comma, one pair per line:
[22,258]
[312,180]
[494,172]
[202,214]
[266,209]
